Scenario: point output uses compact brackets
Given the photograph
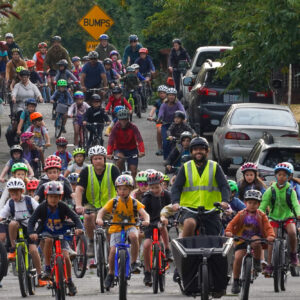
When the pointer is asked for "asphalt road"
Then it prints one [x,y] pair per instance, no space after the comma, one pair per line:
[88,287]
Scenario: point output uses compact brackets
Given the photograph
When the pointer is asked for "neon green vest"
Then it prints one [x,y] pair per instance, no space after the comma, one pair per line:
[200,191]
[97,194]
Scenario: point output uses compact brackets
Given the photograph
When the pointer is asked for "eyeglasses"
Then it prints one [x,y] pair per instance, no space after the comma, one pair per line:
[142,184]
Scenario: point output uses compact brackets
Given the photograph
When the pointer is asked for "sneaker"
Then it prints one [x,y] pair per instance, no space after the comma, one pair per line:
[159,153]
[135,268]
[268,271]
[109,280]
[217,295]
[90,250]
[147,278]
[294,259]
[11,256]
[72,288]
[93,264]
[257,265]
[169,255]
[236,288]
[41,282]
[46,275]
[176,277]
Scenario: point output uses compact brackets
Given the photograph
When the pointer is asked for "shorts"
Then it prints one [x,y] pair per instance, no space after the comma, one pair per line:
[29,241]
[275,224]
[63,243]
[130,161]
[241,246]
[78,120]
[148,232]
[115,237]
[3,228]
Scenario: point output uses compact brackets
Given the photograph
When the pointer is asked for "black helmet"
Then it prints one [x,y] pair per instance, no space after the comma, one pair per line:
[179,114]
[186,134]
[93,55]
[107,61]
[133,38]
[24,73]
[63,62]
[199,141]
[178,41]
[56,38]
[96,97]
[117,90]
[16,148]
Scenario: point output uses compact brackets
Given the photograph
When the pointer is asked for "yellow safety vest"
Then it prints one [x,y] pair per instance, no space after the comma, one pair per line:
[200,191]
[97,194]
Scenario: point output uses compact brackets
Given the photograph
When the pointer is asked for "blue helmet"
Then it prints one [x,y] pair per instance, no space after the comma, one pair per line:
[133,38]
[73,178]
[117,108]
[283,167]
[30,101]
[103,37]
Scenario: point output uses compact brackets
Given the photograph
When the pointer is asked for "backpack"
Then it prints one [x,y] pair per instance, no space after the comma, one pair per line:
[28,206]
[67,156]
[134,203]
[32,127]
[287,197]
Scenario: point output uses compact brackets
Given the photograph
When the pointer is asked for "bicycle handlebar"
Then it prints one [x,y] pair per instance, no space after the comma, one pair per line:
[201,210]
[108,223]
[125,157]
[250,241]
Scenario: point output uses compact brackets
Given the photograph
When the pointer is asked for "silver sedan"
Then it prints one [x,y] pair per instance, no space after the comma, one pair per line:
[244,124]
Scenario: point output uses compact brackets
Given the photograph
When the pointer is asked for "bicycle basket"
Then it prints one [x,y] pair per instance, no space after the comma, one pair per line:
[61,108]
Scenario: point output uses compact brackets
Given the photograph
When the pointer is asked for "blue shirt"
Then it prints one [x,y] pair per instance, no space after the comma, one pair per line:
[133,54]
[62,97]
[146,65]
[236,204]
[140,76]
[111,75]
[65,159]
[295,186]
[53,223]
[93,74]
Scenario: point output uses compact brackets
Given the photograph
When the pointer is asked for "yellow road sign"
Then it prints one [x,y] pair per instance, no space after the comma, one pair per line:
[91,45]
[96,22]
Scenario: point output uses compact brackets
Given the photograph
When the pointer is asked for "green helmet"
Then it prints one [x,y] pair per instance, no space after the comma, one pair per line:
[19,166]
[233,186]
[78,151]
[141,176]
[62,82]
[19,69]
[166,178]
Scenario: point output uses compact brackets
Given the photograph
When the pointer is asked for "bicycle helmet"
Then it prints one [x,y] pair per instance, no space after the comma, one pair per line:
[85,58]
[133,38]
[179,114]
[56,38]
[15,50]
[95,97]
[253,195]
[130,69]
[176,40]
[24,73]
[117,108]
[124,180]
[15,183]
[150,171]
[144,50]
[62,82]
[166,178]
[19,69]
[26,136]
[78,95]
[249,166]
[73,178]
[97,150]
[233,186]
[42,45]
[32,184]
[141,176]
[53,157]
[52,164]
[135,66]
[113,52]
[75,58]
[9,35]
[123,114]
[3,45]
[54,188]
[162,88]
[78,151]
[107,61]
[283,167]
[155,178]
[19,166]
[117,90]
[186,134]
[61,141]
[35,115]
[103,37]
[171,91]
[93,55]
[16,148]
[199,141]
[62,62]
[290,165]
[30,63]
[30,101]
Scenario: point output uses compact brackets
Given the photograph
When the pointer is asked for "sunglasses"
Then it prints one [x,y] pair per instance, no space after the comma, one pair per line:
[142,184]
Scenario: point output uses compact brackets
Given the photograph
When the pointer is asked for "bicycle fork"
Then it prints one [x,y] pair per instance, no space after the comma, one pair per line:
[127,267]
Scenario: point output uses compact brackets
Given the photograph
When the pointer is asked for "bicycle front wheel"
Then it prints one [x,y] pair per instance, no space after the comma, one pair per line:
[22,274]
[58,125]
[3,261]
[155,268]
[246,278]
[276,258]
[122,275]
[204,282]
[60,289]
[138,106]
[80,262]
[31,274]
[101,266]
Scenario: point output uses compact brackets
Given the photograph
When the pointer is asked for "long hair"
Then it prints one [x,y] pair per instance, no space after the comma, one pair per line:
[258,185]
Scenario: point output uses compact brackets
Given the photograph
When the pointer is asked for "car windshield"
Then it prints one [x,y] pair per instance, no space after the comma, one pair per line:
[262,117]
[278,155]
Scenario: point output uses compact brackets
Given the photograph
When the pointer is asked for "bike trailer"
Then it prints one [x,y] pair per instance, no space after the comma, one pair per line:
[188,255]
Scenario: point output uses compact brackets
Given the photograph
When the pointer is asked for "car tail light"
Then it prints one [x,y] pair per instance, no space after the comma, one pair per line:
[207,92]
[190,88]
[205,116]
[231,135]
[264,94]
[290,135]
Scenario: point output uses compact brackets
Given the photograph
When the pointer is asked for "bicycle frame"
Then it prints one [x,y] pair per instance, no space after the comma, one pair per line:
[21,242]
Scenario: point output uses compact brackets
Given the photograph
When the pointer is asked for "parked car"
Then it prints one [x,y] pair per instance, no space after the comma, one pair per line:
[269,151]
[244,124]
[201,55]
[209,98]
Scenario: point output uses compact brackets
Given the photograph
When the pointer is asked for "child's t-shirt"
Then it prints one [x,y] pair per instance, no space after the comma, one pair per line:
[123,211]
[75,168]
[250,227]
[65,159]
[25,116]
[39,135]
[3,53]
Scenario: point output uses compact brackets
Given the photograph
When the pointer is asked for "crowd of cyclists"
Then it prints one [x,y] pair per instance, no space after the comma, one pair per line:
[104,183]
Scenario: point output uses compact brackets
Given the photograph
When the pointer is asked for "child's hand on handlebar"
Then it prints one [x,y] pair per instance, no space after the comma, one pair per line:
[175,206]
[164,220]
[78,231]
[228,234]
[270,238]
[33,236]
[145,223]
[99,222]
[141,154]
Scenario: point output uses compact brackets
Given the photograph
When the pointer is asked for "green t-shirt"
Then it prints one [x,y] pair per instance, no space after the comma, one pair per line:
[281,210]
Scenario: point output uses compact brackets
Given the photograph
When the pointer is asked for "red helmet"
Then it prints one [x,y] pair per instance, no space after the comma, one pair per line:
[30,63]
[143,50]
[42,45]
[53,158]
[249,166]
[32,184]
[52,164]
[61,141]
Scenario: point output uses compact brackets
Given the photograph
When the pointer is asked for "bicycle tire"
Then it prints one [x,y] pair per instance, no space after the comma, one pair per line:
[3,261]
[122,275]
[294,271]
[284,266]
[138,106]
[80,262]
[276,262]
[60,289]
[31,276]
[246,278]
[162,276]
[58,126]
[204,282]
[101,266]
[22,274]
[155,268]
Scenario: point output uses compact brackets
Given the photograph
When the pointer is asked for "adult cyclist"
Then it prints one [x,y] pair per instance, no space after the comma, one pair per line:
[104,48]
[131,52]
[94,188]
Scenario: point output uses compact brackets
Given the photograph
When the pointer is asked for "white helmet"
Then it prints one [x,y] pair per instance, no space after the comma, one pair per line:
[97,150]
[9,35]
[290,165]
[162,88]
[172,91]
[135,66]
[15,183]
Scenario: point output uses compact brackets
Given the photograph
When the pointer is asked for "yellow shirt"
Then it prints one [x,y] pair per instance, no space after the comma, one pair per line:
[123,211]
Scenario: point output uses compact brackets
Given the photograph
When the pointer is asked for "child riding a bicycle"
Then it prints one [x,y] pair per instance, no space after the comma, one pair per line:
[78,164]
[249,223]
[62,152]
[123,208]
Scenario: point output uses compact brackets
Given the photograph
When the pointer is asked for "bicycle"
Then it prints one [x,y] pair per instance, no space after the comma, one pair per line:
[61,110]
[125,167]
[137,102]
[295,271]
[3,261]
[97,131]
[44,87]
[146,92]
